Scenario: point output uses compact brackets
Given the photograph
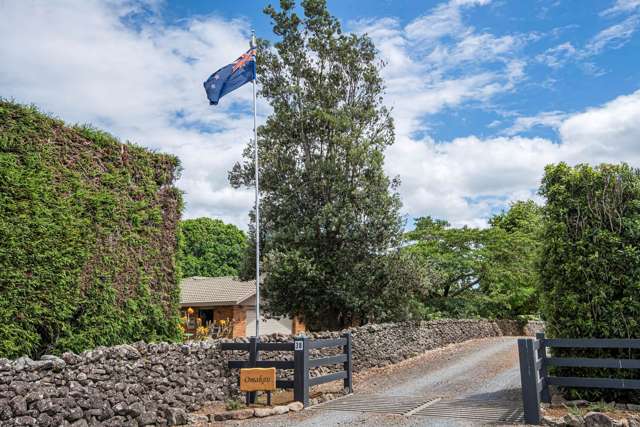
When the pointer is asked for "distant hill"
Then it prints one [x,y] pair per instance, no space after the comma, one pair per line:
[88,237]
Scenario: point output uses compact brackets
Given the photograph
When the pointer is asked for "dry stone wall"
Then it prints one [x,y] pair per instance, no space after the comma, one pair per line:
[158,384]
[384,344]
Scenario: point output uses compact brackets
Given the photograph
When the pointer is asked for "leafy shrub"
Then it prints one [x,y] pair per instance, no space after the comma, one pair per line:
[590,266]
[88,228]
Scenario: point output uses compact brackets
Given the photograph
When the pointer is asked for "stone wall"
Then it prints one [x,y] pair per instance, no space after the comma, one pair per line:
[140,384]
[158,384]
[387,343]
[533,327]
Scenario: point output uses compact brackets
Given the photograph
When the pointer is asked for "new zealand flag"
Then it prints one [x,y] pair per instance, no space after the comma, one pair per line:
[231,77]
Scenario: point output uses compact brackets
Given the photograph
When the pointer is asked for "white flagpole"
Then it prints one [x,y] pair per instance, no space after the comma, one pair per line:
[255,148]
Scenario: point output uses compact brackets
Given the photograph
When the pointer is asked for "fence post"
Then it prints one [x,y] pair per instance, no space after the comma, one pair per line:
[301,370]
[529,381]
[253,357]
[542,354]
[348,365]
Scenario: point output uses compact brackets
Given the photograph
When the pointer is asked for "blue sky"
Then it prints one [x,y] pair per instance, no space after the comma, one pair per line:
[595,80]
[484,92]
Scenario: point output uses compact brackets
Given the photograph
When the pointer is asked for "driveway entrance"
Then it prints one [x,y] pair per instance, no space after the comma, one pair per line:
[469,384]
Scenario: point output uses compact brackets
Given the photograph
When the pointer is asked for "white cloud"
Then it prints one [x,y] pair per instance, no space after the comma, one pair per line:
[80,61]
[443,20]
[609,133]
[437,61]
[552,119]
[144,83]
[613,37]
[558,56]
[468,179]
[622,6]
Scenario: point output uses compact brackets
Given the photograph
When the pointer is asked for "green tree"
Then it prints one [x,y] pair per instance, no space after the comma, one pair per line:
[590,265]
[481,272]
[453,252]
[330,212]
[510,279]
[211,248]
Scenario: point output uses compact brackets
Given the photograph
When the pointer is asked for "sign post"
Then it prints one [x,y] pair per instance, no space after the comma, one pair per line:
[301,369]
[258,379]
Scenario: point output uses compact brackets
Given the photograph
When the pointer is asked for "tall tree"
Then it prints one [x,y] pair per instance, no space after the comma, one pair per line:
[209,247]
[453,255]
[482,272]
[330,212]
[510,279]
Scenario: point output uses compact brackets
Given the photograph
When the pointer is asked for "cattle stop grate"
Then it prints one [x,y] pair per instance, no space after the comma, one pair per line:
[486,411]
[394,405]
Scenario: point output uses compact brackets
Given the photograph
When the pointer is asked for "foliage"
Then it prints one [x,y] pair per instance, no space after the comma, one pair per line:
[202,333]
[223,328]
[210,248]
[481,272]
[234,404]
[88,230]
[510,279]
[329,212]
[590,266]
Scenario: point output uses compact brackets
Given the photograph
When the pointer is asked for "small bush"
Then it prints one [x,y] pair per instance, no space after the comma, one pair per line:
[233,404]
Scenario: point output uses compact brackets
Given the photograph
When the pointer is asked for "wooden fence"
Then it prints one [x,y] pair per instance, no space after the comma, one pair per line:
[536,380]
[301,363]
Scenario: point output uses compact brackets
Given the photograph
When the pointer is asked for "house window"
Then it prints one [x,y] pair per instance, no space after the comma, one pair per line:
[206,315]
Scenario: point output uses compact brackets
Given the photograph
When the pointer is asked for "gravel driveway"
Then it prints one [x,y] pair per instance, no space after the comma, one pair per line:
[485,369]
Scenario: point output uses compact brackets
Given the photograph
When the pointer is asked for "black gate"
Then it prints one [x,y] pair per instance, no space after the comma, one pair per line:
[536,380]
[301,363]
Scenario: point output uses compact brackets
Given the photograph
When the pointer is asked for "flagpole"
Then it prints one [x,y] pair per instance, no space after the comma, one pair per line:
[255,149]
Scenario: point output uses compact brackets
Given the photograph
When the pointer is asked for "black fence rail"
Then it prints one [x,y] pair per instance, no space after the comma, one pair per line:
[301,364]
[535,379]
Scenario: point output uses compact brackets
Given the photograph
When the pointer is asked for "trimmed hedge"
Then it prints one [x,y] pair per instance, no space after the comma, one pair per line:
[88,232]
[590,266]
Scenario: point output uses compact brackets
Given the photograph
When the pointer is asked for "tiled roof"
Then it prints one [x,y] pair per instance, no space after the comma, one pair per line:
[215,290]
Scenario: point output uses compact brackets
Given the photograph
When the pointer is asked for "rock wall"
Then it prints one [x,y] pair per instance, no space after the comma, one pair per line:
[387,343]
[533,327]
[136,385]
[158,384]
[381,345]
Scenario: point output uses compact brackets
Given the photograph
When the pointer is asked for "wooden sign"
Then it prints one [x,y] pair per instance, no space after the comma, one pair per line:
[257,379]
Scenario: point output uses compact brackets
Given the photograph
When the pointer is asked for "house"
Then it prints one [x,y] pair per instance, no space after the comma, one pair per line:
[208,300]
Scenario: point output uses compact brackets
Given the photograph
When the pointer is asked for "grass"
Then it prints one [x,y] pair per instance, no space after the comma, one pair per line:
[601,406]
[233,404]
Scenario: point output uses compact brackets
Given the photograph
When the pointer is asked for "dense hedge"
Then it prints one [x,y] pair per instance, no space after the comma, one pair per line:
[590,267]
[88,237]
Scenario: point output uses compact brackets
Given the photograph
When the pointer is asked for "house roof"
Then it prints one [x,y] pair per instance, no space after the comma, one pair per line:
[206,291]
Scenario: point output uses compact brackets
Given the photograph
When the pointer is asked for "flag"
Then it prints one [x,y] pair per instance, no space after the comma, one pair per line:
[231,77]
